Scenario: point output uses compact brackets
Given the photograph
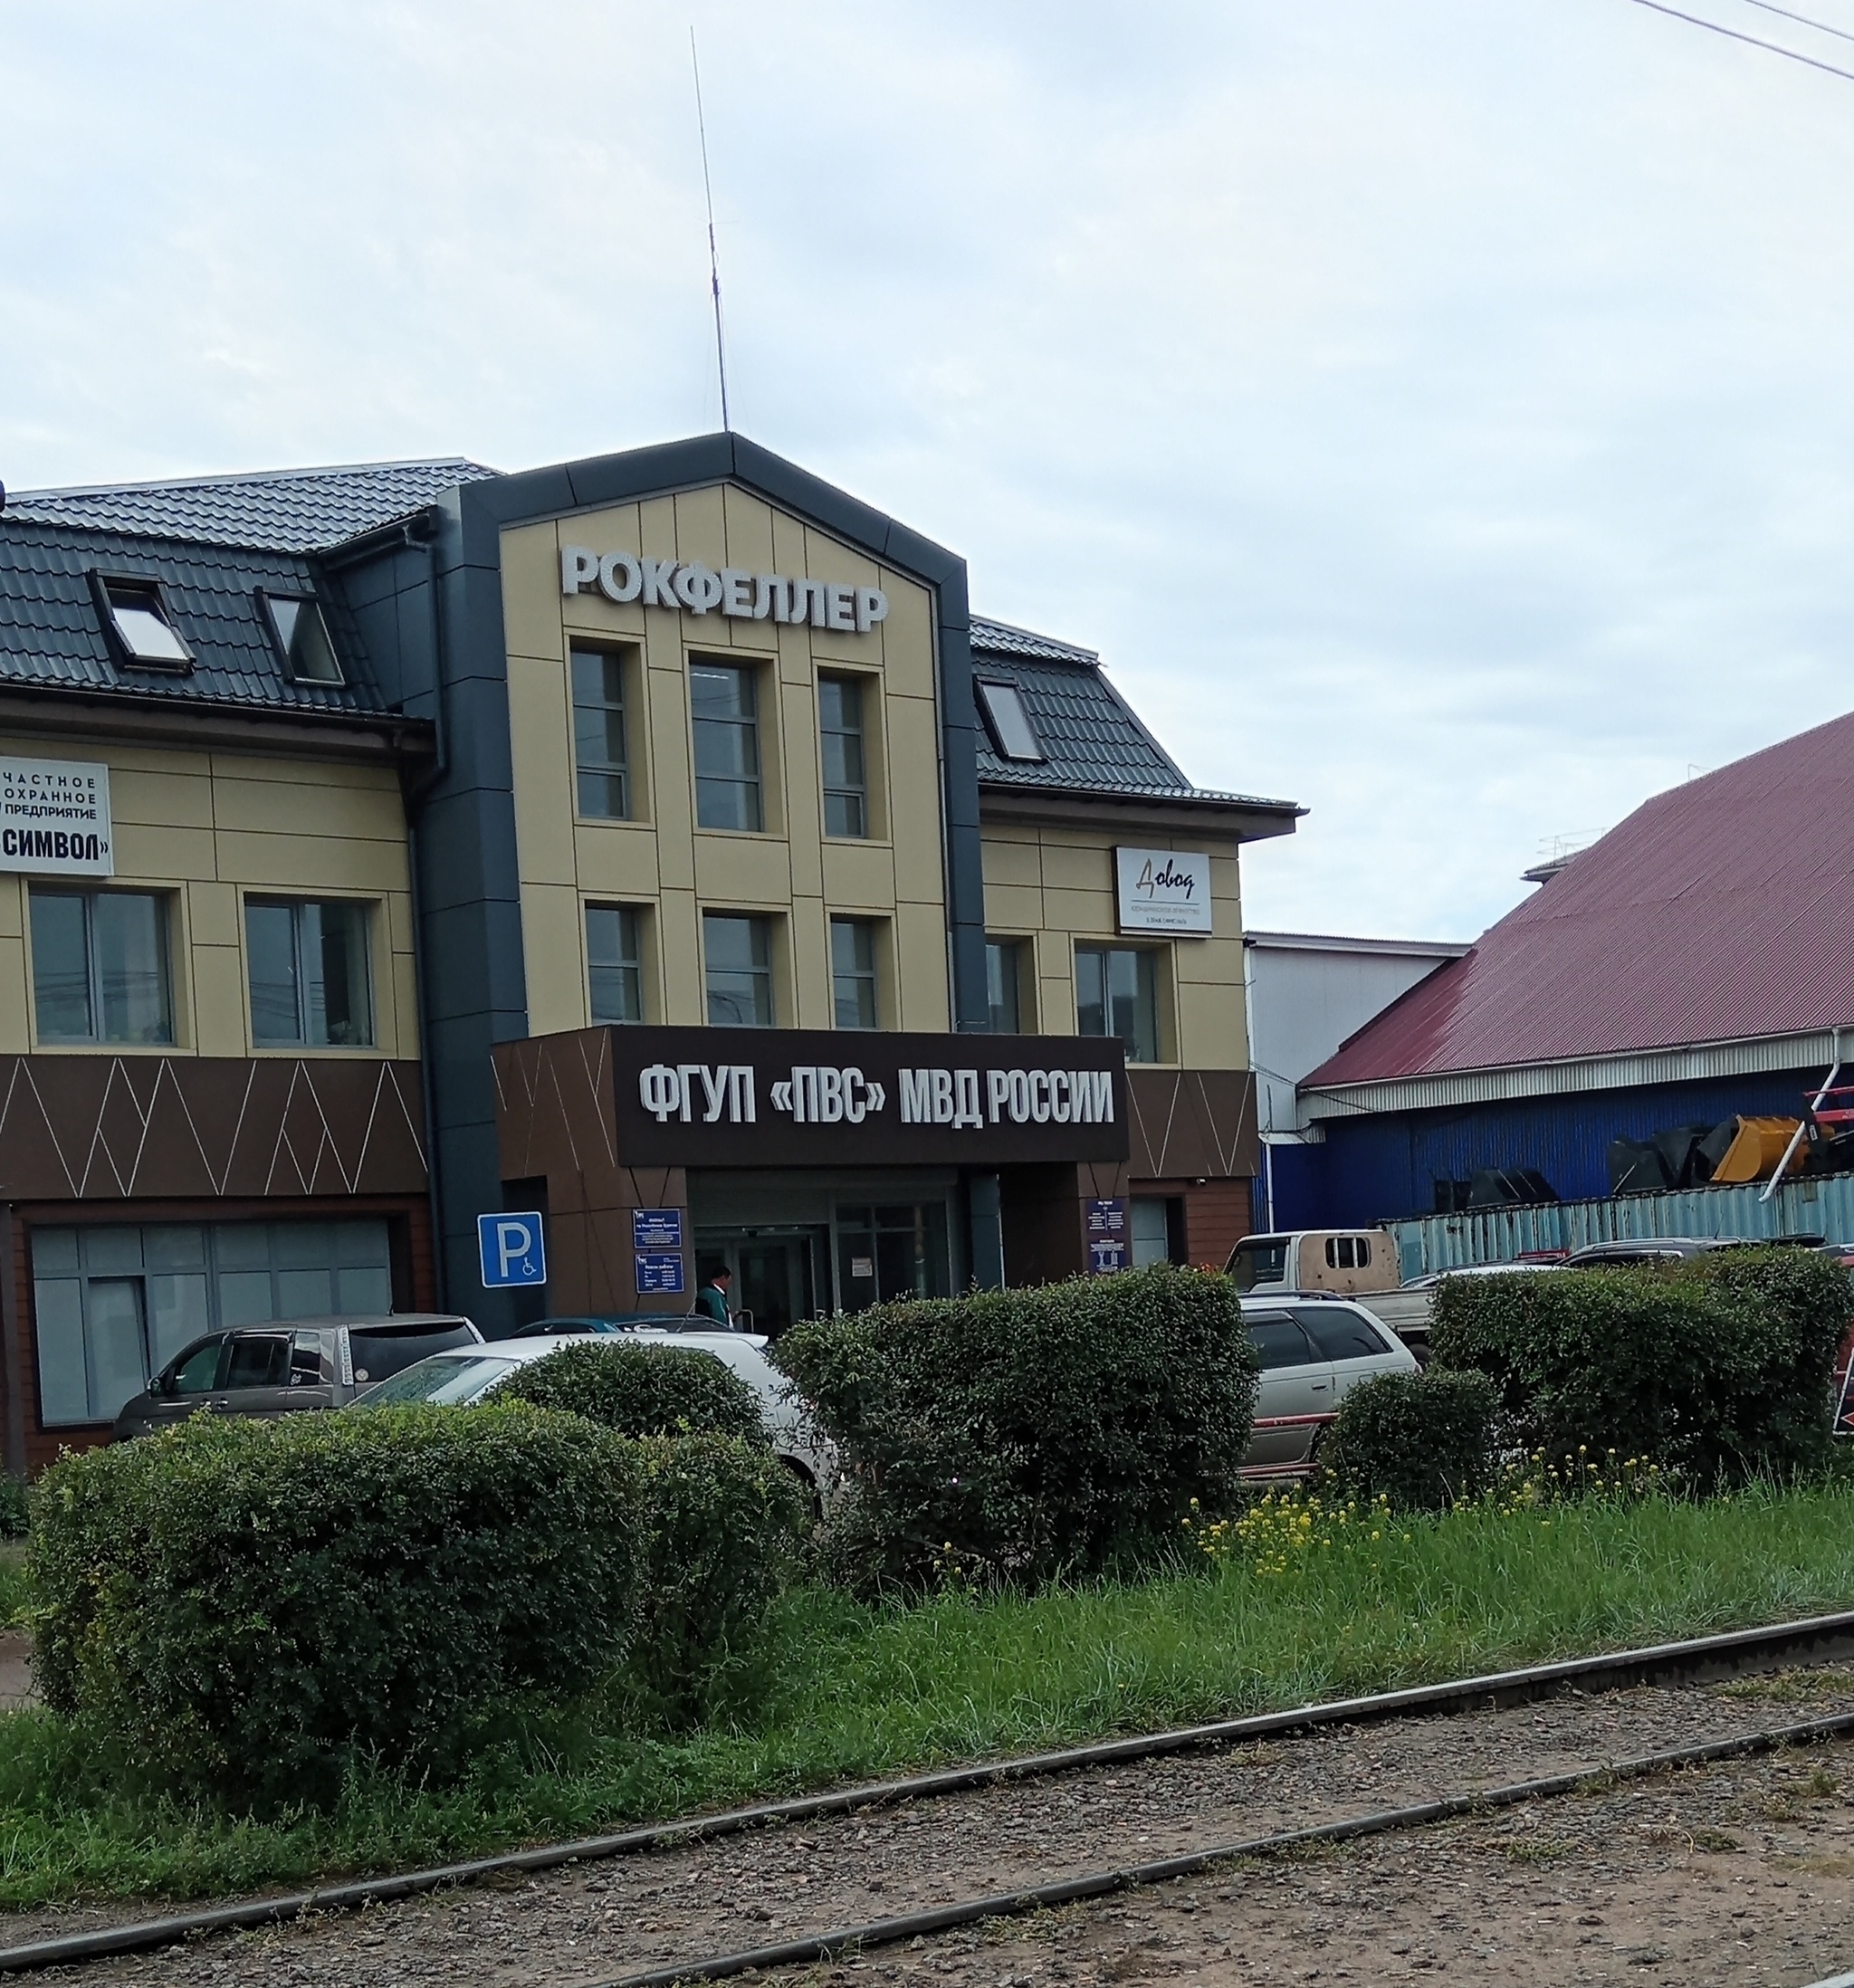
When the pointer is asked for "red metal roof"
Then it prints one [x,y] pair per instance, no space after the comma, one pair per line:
[1720,910]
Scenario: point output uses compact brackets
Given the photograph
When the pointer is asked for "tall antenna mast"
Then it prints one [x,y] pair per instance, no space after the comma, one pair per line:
[720,355]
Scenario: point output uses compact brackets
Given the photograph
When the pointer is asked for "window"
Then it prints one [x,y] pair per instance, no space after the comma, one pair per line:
[601,769]
[259,1359]
[1340,1333]
[137,622]
[308,974]
[739,952]
[845,775]
[1259,1259]
[1116,994]
[1348,1252]
[100,967]
[615,959]
[114,1303]
[303,638]
[889,1253]
[1003,965]
[1157,1226]
[1279,1341]
[725,705]
[853,972]
[1008,722]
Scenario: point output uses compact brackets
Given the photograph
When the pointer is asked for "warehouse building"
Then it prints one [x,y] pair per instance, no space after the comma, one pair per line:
[656,841]
[1690,967]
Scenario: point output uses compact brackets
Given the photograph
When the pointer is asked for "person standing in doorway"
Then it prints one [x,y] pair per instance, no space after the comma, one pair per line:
[712,1298]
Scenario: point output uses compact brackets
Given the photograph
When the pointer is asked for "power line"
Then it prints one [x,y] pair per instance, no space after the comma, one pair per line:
[1821,27]
[720,357]
[1775,48]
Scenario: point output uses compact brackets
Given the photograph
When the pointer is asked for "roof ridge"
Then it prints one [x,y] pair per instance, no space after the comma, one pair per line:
[223,479]
[1032,635]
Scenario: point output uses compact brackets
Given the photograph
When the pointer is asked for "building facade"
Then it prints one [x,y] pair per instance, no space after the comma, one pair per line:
[667,847]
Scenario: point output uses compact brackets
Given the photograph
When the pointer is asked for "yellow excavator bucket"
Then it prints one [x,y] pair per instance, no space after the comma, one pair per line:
[1755,1149]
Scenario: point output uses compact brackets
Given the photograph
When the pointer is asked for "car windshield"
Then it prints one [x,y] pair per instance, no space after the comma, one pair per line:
[1262,1259]
[445,1379]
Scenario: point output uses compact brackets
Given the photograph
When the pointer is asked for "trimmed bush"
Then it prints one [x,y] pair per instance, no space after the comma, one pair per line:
[1719,1367]
[641,1389]
[726,1522]
[1423,1440]
[1022,1434]
[247,1607]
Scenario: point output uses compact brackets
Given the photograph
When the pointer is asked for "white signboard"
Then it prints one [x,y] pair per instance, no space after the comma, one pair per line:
[748,597]
[1163,890]
[54,818]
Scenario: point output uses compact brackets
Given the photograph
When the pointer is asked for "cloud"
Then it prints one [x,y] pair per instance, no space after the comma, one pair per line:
[1435,414]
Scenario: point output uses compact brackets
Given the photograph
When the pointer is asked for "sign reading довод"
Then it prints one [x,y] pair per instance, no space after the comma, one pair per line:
[1163,890]
[54,818]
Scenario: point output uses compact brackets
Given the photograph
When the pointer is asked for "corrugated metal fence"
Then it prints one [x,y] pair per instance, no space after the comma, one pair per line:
[1496,1235]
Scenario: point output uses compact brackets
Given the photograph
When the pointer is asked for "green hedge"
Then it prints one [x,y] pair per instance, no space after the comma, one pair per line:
[1022,1434]
[249,1606]
[641,1388]
[726,1522]
[1720,1367]
[1423,1440]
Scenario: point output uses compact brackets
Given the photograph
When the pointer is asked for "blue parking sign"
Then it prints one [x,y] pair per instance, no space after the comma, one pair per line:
[512,1248]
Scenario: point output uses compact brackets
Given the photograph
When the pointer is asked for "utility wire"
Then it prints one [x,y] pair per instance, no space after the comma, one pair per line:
[720,357]
[1776,48]
[1821,27]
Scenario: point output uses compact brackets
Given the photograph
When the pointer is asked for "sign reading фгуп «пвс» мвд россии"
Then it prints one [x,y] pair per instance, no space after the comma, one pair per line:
[688,585]
[54,818]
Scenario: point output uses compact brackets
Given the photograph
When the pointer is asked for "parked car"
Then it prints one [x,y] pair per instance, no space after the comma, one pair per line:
[288,1364]
[464,1376]
[1314,1351]
[621,1322]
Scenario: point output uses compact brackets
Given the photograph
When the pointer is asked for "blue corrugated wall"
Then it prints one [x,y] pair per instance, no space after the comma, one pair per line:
[1384,1167]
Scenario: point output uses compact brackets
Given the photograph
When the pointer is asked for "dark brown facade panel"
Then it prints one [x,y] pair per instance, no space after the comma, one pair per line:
[1193,1124]
[112,1128]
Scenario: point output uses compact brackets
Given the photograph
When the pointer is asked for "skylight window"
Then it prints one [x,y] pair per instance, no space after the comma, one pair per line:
[302,639]
[1011,731]
[136,617]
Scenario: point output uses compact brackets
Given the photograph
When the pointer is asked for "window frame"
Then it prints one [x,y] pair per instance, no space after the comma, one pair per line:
[1146,970]
[754,726]
[862,793]
[860,978]
[267,600]
[163,903]
[122,650]
[617,658]
[1012,945]
[301,1043]
[633,915]
[1002,704]
[766,974]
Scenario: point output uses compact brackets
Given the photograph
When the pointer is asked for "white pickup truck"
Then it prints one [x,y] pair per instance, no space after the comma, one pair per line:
[1360,1263]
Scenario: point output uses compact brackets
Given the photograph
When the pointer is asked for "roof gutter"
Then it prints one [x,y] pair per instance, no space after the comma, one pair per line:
[1247,820]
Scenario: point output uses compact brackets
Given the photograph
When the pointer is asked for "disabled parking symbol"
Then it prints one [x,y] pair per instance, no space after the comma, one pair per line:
[512,1248]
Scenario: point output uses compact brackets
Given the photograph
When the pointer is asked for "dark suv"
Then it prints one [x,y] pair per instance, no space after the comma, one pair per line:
[287,1364]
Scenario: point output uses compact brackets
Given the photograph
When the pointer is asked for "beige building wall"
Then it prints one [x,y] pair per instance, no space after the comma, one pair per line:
[1053,887]
[205,829]
[659,862]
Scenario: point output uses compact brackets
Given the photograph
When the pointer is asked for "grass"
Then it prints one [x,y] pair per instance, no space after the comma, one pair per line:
[841,1691]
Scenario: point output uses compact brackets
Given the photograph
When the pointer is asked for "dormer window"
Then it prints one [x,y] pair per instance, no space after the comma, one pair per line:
[302,639]
[140,630]
[1008,722]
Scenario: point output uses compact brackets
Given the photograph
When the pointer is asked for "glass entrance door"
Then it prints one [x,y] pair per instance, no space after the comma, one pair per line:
[779,1274]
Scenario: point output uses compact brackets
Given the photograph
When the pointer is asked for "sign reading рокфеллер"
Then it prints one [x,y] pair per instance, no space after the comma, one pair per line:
[54,818]
[687,584]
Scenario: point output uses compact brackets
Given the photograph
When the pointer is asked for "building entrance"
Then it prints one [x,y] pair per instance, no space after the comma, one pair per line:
[779,1274]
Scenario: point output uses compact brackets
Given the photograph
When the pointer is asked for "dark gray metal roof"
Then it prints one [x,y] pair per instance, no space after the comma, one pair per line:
[286,510]
[51,636]
[1000,638]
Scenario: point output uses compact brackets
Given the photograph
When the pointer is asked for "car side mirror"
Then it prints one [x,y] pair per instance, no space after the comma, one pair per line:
[165,1384]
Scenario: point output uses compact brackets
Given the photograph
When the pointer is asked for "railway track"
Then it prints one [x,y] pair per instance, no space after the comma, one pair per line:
[1817,1641]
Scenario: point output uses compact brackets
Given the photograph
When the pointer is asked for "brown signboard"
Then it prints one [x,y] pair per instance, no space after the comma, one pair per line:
[769,1098]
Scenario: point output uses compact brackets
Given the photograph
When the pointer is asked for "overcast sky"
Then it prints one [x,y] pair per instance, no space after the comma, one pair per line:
[1439,413]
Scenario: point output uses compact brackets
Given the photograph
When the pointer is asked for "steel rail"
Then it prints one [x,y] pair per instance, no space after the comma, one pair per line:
[1098,1884]
[1820,1639]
